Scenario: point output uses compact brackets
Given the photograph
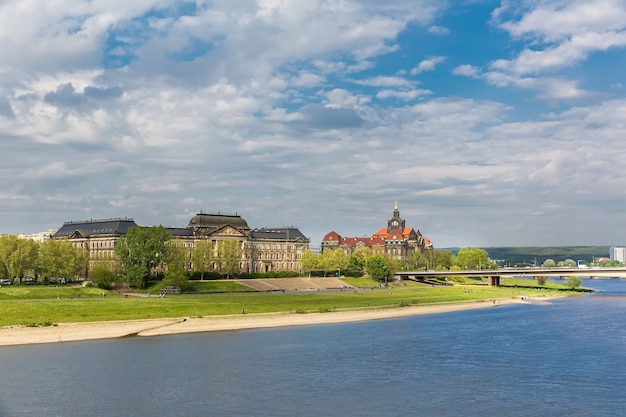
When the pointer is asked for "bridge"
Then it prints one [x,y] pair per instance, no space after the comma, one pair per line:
[494,275]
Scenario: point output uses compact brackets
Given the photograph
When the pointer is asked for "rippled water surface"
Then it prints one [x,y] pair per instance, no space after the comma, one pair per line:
[567,358]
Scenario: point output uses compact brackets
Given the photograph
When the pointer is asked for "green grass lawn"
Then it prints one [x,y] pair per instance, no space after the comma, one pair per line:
[39,305]
[520,282]
[43,292]
[203,287]
[361,282]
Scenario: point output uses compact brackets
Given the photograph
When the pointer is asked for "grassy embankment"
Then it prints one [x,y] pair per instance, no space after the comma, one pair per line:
[47,305]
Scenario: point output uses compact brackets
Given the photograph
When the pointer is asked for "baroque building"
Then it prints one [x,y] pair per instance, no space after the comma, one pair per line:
[396,240]
[262,250]
[97,237]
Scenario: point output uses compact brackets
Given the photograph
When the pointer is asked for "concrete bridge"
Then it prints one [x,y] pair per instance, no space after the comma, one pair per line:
[494,275]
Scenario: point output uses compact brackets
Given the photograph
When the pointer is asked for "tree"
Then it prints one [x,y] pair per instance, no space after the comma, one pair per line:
[393,264]
[8,245]
[17,256]
[60,259]
[336,260]
[574,282]
[357,259]
[102,276]
[228,256]
[443,259]
[176,261]
[202,257]
[473,258]
[309,261]
[354,264]
[417,260]
[139,251]
[548,263]
[325,261]
[377,267]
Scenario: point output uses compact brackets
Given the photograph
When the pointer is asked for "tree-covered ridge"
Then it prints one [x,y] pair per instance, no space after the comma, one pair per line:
[528,254]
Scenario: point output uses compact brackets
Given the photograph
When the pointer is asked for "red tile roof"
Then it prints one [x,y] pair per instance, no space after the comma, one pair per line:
[332,236]
[377,238]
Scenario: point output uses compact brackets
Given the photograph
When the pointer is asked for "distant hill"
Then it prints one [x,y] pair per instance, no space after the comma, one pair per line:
[531,254]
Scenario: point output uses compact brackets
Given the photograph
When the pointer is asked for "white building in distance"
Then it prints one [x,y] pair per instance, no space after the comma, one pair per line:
[38,236]
[617,254]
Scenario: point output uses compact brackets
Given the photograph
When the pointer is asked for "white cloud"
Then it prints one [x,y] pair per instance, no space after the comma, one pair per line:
[566,54]
[466,70]
[408,95]
[384,81]
[307,79]
[439,30]
[427,65]
[558,35]
[555,21]
[297,113]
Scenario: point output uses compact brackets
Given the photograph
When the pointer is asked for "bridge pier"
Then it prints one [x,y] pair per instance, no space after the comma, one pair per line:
[493,281]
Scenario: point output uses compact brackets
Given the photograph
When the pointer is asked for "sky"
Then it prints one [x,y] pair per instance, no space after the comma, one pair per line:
[491,123]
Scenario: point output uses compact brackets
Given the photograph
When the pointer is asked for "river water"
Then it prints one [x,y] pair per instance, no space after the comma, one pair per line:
[566,358]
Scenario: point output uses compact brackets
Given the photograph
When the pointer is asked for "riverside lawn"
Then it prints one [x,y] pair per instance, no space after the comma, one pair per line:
[39,306]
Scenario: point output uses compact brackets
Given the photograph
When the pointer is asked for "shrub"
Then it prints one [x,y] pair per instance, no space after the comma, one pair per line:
[208,276]
[574,282]
[102,277]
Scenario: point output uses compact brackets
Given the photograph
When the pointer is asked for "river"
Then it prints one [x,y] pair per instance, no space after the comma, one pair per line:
[565,358]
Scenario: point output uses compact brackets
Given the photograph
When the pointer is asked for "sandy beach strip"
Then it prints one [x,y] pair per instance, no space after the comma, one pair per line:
[68,332]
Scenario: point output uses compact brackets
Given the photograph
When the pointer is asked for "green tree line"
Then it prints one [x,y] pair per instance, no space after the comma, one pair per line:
[511,256]
[363,261]
[49,261]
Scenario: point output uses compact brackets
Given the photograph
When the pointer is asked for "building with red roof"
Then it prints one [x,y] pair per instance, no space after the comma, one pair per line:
[396,240]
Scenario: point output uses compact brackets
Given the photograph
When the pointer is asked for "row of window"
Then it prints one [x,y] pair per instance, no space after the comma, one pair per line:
[99,244]
[104,249]
[279,255]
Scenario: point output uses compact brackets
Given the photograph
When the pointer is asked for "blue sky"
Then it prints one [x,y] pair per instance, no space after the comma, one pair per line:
[492,123]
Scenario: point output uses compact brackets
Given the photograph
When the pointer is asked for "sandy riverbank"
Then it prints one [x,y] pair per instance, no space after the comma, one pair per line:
[68,332]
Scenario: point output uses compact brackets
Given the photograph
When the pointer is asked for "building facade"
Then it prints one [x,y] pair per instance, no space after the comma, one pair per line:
[262,250]
[396,240]
[97,237]
[617,254]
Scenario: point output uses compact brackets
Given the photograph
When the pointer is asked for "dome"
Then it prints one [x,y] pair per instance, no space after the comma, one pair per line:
[214,221]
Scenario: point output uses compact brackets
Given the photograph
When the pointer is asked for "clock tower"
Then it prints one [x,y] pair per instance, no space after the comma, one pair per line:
[395,223]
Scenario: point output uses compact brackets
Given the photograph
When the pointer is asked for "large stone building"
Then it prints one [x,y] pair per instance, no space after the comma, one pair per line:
[263,250]
[396,240]
[97,237]
[267,249]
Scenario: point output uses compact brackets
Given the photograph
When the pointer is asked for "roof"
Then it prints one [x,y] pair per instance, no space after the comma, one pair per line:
[406,233]
[378,238]
[206,220]
[332,236]
[180,231]
[280,233]
[351,241]
[96,227]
